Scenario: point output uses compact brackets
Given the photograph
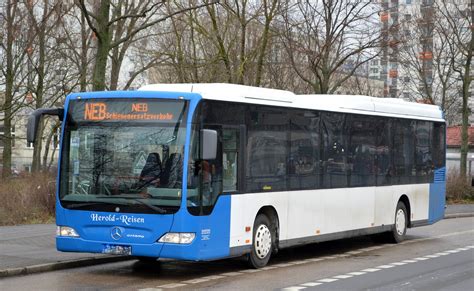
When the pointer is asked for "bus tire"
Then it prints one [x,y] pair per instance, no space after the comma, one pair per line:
[263,238]
[399,229]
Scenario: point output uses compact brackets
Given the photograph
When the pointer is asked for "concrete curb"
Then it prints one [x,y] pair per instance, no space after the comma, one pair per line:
[61,265]
[458,215]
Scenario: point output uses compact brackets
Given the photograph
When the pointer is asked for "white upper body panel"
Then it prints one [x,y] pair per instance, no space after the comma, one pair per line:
[390,107]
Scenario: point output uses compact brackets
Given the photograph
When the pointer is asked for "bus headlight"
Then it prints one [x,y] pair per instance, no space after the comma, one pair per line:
[177,238]
[66,231]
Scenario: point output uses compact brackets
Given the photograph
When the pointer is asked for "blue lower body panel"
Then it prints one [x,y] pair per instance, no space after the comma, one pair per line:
[212,233]
[437,202]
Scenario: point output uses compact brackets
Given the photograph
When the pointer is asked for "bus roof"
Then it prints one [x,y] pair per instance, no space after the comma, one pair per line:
[356,104]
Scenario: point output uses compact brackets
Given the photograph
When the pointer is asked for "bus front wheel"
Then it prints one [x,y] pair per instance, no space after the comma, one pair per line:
[263,238]
[401,222]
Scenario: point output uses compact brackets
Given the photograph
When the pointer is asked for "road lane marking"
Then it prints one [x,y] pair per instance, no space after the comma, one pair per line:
[311,284]
[314,260]
[282,265]
[343,276]
[327,280]
[213,277]
[172,285]
[385,266]
[195,281]
[328,257]
[380,268]
[357,273]
[230,274]
[269,268]
[251,271]
[294,288]
[371,270]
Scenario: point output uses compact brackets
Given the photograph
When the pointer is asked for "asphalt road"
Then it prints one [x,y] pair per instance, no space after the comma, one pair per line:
[437,257]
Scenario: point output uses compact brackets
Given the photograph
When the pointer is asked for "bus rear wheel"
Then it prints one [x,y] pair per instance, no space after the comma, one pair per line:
[263,238]
[399,229]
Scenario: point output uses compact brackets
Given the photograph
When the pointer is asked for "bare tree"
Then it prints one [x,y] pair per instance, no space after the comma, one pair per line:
[427,62]
[457,27]
[226,42]
[13,52]
[270,10]
[77,43]
[320,37]
[108,22]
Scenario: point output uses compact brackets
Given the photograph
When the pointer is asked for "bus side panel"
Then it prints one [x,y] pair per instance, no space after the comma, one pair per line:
[437,196]
[418,197]
[212,233]
[347,209]
[244,211]
[306,213]
[386,198]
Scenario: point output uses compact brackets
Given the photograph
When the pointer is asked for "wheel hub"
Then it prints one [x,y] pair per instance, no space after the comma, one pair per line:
[400,222]
[263,241]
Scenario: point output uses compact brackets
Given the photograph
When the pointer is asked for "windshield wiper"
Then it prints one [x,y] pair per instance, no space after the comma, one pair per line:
[156,208]
[151,206]
[77,204]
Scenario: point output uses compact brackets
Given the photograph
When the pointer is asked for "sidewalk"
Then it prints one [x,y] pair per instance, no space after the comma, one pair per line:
[27,249]
[30,249]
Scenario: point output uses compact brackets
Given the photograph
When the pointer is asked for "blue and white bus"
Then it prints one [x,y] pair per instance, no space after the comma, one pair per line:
[210,171]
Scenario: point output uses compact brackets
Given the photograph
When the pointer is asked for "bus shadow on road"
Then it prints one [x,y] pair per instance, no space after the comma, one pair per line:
[183,270]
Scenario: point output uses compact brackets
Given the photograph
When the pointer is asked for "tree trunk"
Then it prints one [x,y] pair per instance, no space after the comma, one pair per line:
[465,106]
[114,69]
[9,79]
[51,134]
[103,46]
[38,145]
[265,37]
[84,49]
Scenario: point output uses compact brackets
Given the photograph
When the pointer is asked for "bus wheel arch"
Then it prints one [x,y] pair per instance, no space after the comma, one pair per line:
[272,215]
[264,237]
[406,201]
[401,220]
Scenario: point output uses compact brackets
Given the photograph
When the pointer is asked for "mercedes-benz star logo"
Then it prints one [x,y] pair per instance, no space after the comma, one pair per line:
[116,233]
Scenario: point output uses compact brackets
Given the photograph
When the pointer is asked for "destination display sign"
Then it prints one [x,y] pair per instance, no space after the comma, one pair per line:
[110,110]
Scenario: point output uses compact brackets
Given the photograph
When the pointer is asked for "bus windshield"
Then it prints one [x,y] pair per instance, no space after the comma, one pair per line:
[123,155]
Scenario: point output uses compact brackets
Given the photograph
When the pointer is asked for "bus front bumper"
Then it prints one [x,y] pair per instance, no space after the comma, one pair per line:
[155,250]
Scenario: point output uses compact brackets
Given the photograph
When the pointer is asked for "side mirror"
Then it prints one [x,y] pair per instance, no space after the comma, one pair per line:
[208,144]
[34,120]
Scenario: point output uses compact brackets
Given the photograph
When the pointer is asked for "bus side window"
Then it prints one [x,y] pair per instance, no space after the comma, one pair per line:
[230,155]
[333,132]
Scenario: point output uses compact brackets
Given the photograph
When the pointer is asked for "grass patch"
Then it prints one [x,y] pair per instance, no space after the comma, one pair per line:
[28,199]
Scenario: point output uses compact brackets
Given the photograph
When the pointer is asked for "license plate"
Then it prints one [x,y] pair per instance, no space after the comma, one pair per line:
[117,250]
